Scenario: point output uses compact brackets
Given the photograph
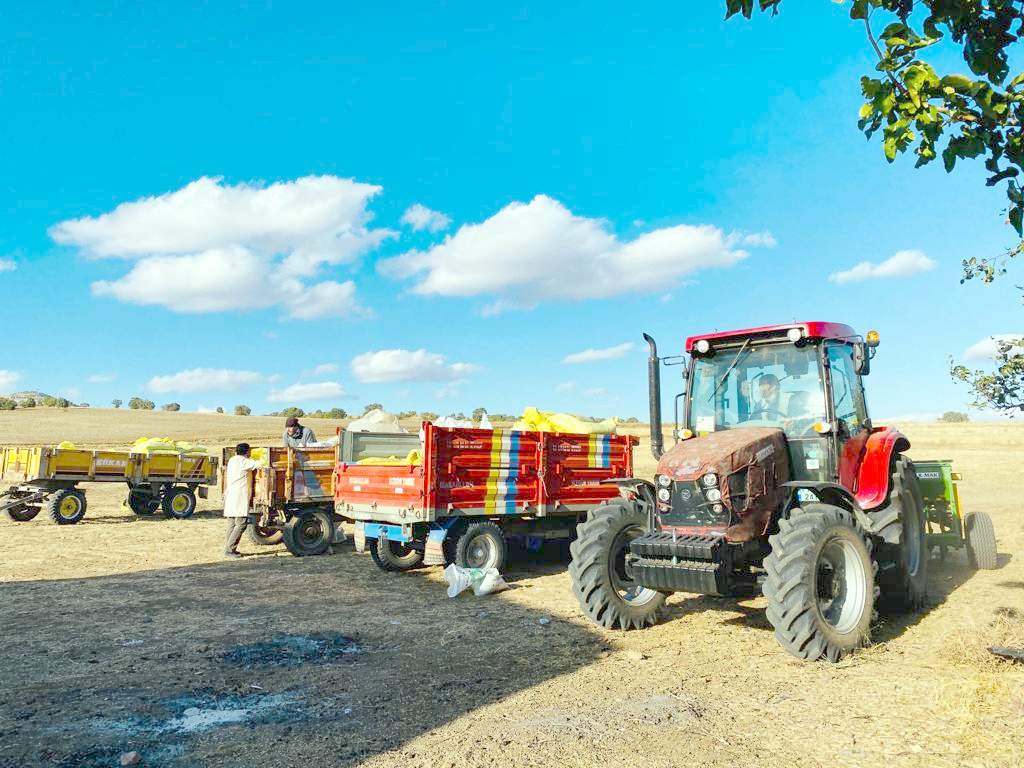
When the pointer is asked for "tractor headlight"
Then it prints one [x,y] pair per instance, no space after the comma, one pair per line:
[664,494]
[703,346]
[717,509]
[713,494]
[710,480]
[664,481]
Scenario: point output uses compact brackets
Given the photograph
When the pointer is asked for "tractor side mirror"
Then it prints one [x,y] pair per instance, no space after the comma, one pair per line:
[861,359]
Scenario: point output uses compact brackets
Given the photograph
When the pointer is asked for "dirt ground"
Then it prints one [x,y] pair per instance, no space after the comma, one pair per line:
[125,633]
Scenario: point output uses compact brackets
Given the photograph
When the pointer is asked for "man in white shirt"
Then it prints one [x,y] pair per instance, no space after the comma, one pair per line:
[238,497]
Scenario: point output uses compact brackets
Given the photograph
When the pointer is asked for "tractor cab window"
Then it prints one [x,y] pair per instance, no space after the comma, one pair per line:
[777,385]
[847,392]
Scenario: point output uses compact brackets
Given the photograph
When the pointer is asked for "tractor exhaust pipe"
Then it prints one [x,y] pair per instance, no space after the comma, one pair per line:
[654,395]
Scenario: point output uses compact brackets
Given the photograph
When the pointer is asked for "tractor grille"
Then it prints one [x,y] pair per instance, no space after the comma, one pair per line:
[698,563]
[689,507]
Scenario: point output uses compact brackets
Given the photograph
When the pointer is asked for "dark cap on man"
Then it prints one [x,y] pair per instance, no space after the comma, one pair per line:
[291,421]
[242,449]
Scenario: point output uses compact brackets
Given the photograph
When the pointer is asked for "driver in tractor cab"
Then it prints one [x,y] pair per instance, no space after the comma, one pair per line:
[770,400]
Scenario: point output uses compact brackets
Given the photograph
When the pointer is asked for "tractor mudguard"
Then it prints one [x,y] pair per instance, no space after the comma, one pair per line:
[643,489]
[875,470]
[832,493]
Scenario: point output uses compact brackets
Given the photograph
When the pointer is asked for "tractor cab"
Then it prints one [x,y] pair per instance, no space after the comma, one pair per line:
[805,379]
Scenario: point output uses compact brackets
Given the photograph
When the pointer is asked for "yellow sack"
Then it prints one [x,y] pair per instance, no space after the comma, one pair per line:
[190,449]
[67,445]
[260,455]
[548,421]
[413,458]
[154,445]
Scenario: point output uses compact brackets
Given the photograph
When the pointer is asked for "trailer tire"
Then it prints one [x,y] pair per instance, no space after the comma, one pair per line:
[820,583]
[66,506]
[394,556]
[481,545]
[179,502]
[22,514]
[264,537]
[309,534]
[981,540]
[601,582]
[141,502]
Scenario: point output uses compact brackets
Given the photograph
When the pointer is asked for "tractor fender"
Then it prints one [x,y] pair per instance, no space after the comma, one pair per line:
[832,493]
[634,487]
[875,472]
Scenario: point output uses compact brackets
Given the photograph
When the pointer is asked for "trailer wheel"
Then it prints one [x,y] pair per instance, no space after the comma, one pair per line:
[820,583]
[981,540]
[179,502]
[141,502]
[483,546]
[67,506]
[19,513]
[309,534]
[601,580]
[395,555]
[264,536]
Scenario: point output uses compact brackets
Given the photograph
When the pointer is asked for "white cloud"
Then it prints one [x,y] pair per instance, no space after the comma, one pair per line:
[390,365]
[305,393]
[595,392]
[986,349]
[205,409]
[212,247]
[323,369]
[528,252]
[8,379]
[419,217]
[760,240]
[6,265]
[900,264]
[565,387]
[204,380]
[101,378]
[595,355]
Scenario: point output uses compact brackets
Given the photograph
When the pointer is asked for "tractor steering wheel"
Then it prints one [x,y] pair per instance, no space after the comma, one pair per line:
[766,410]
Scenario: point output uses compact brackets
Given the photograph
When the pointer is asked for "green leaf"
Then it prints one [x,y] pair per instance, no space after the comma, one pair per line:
[1017,219]
[959,83]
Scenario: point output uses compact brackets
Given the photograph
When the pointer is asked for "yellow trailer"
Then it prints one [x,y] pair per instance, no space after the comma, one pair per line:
[47,478]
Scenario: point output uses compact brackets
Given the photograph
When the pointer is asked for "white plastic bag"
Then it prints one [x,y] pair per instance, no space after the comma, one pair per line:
[451,421]
[481,581]
[485,423]
[377,421]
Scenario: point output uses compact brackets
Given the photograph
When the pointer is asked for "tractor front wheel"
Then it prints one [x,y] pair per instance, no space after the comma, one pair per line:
[820,583]
[981,540]
[601,579]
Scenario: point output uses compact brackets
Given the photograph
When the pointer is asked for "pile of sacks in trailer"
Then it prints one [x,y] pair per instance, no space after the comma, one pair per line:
[151,445]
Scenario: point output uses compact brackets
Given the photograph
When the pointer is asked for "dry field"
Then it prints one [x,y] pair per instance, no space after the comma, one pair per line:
[123,633]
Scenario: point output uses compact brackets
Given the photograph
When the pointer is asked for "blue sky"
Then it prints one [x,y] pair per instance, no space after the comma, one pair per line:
[598,171]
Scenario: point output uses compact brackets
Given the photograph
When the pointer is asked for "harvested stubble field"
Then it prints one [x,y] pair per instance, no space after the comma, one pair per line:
[123,633]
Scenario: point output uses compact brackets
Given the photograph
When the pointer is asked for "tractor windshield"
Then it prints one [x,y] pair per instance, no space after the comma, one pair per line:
[777,385]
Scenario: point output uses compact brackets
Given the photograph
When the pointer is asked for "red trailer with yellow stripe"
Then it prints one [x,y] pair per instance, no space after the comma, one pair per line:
[471,491]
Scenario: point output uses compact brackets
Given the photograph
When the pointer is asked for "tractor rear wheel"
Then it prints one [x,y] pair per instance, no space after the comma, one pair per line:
[981,540]
[309,534]
[820,583]
[903,567]
[67,506]
[601,579]
[394,556]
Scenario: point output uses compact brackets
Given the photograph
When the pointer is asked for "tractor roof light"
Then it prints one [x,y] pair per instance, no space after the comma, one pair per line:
[872,339]
[703,346]
[823,427]
[795,334]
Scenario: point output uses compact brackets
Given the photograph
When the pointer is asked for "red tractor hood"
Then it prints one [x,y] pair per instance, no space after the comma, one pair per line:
[750,463]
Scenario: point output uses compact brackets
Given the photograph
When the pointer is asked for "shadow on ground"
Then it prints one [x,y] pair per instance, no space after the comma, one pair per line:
[269,661]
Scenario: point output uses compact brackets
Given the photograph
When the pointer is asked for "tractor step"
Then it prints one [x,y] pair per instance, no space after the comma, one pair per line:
[697,563]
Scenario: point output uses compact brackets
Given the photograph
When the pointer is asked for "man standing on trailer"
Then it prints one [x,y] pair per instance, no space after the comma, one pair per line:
[295,435]
[238,497]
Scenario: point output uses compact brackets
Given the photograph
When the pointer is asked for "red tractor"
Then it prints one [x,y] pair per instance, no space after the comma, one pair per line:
[777,480]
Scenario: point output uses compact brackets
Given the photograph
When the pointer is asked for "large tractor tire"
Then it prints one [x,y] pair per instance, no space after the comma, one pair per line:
[903,566]
[263,536]
[483,546]
[309,534]
[820,583]
[981,540]
[395,556]
[66,507]
[601,580]
[178,502]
